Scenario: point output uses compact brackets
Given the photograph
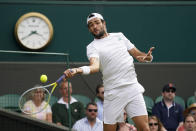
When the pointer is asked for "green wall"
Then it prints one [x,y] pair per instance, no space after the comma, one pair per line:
[169,26]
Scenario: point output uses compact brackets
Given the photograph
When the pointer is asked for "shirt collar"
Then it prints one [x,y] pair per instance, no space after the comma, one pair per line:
[99,101]
[163,103]
[61,101]
[97,120]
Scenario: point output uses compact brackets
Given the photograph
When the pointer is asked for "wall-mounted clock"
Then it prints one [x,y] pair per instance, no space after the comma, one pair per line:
[33,31]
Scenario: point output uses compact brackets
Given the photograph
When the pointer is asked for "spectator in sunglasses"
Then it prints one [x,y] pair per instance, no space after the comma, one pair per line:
[155,124]
[99,101]
[168,111]
[191,110]
[90,122]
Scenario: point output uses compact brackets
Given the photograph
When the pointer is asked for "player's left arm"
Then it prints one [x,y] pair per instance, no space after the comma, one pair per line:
[141,56]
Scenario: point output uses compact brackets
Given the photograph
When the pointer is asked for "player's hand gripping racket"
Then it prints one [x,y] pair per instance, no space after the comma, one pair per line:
[37,99]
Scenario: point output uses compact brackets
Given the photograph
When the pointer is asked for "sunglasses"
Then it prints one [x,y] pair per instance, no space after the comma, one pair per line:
[151,124]
[193,113]
[90,110]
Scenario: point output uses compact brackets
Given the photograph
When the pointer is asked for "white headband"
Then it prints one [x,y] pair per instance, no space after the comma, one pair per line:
[94,15]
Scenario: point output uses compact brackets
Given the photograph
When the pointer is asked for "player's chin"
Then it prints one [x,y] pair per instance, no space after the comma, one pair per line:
[96,33]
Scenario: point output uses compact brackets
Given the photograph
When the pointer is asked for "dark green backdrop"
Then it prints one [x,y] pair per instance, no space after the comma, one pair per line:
[170,27]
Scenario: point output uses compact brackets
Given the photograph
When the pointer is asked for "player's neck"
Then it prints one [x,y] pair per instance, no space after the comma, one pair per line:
[103,36]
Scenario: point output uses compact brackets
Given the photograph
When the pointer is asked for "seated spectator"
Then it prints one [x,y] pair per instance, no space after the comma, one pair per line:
[100,96]
[60,110]
[90,122]
[125,126]
[189,124]
[155,124]
[37,102]
[169,112]
[191,110]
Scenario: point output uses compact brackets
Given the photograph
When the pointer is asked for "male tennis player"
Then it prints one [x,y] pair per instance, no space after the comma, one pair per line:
[111,53]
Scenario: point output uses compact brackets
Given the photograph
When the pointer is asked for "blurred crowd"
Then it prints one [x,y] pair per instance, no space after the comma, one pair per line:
[165,115]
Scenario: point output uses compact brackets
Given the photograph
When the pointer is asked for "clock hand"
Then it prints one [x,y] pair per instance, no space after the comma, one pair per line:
[39,35]
[32,32]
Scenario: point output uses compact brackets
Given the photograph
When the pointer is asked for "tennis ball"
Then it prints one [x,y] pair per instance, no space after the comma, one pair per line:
[43,78]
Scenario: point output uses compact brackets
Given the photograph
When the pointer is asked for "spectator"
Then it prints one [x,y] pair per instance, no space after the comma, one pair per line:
[60,109]
[100,96]
[90,122]
[169,112]
[125,126]
[155,124]
[195,94]
[37,102]
[189,124]
[191,110]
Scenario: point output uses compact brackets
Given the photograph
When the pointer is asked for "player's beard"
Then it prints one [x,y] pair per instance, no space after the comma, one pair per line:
[100,35]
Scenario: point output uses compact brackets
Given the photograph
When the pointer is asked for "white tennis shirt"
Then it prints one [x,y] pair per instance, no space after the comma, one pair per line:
[116,64]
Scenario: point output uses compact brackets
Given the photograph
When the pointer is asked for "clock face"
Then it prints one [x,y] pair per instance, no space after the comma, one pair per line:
[34,31]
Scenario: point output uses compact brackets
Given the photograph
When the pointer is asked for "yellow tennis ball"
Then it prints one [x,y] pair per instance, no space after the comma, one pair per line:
[43,78]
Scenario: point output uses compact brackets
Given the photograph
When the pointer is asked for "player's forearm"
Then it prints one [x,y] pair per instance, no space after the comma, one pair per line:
[87,69]
[140,56]
[92,68]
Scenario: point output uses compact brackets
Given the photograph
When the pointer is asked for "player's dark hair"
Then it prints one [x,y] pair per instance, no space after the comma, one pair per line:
[101,21]
[97,88]
[91,15]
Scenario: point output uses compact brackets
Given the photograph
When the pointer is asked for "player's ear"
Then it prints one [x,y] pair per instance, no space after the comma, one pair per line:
[104,23]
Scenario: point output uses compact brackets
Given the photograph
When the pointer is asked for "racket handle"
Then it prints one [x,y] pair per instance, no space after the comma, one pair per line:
[60,79]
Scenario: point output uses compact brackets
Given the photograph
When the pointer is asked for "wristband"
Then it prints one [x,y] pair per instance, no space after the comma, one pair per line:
[85,70]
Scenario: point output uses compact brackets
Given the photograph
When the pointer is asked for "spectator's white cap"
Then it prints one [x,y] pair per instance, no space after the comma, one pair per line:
[94,15]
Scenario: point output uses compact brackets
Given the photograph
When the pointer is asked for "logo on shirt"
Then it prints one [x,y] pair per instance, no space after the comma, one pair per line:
[75,110]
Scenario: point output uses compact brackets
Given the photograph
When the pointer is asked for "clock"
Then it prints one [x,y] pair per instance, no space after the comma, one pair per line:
[33,31]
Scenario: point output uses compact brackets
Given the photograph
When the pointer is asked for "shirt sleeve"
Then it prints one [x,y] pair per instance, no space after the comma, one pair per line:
[181,118]
[155,110]
[76,126]
[92,52]
[127,42]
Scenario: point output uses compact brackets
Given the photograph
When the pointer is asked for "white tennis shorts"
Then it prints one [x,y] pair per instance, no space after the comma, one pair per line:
[129,98]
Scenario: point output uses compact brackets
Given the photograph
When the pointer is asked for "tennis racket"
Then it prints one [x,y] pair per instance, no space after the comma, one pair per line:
[37,99]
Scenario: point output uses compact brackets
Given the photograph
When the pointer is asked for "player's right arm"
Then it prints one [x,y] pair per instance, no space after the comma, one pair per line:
[92,68]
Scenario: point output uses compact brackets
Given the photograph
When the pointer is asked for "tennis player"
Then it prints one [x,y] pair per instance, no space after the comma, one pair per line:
[111,53]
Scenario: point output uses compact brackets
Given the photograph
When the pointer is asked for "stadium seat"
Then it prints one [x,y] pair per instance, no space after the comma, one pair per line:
[191,100]
[149,104]
[10,102]
[177,99]
[82,98]
[96,99]
[53,100]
